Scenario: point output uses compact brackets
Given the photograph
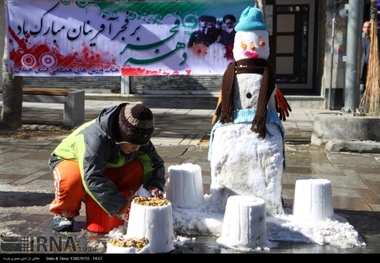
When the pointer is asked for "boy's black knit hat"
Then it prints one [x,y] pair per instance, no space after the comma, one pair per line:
[136,124]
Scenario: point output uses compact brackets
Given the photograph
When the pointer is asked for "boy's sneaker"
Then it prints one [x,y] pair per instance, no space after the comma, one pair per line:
[62,224]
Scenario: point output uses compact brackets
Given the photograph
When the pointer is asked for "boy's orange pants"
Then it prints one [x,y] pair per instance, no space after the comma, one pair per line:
[69,189]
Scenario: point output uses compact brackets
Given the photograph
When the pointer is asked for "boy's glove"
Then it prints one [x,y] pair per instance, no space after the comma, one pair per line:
[123,213]
[125,216]
[155,192]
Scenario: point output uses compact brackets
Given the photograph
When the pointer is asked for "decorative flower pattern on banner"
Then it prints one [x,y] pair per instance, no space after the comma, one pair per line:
[84,38]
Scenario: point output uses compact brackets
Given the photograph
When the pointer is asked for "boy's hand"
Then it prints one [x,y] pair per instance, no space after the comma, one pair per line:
[155,192]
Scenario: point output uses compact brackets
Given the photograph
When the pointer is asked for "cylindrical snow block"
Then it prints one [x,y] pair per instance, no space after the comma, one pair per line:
[244,224]
[313,199]
[185,185]
[153,222]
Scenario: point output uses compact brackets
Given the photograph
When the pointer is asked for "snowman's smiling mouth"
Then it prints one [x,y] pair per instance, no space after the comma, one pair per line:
[251,54]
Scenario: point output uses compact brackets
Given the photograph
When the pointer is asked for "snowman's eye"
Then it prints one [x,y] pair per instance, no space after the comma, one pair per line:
[252,47]
[244,45]
[262,43]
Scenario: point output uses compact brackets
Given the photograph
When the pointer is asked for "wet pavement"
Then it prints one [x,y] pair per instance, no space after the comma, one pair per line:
[181,136]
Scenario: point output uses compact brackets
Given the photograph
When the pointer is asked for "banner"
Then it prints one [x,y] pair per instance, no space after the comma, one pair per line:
[81,38]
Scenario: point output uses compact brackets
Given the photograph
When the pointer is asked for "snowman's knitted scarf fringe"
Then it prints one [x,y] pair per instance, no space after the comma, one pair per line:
[259,66]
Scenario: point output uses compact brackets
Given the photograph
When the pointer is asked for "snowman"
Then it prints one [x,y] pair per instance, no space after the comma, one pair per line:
[246,151]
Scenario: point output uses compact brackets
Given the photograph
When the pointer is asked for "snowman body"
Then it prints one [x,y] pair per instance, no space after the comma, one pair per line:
[243,163]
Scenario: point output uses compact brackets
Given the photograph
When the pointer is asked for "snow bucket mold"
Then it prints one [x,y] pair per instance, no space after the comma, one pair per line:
[244,224]
[185,185]
[313,199]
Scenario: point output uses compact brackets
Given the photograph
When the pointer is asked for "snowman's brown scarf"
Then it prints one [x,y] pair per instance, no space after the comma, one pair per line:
[260,66]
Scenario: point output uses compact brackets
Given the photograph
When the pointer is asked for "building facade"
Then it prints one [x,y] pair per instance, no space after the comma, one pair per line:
[308,46]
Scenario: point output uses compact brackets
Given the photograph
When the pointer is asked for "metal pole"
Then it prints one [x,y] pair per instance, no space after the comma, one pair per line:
[354,49]
[125,81]
[125,85]
[332,57]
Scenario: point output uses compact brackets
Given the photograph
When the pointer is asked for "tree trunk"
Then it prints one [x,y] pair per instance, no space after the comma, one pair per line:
[12,97]
[261,5]
[371,97]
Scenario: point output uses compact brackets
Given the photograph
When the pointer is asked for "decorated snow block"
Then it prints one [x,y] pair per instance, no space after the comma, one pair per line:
[313,199]
[185,185]
[152,218]
[244,224]
[128,246]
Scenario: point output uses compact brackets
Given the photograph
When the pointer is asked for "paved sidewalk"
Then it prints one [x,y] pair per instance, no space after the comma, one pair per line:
[181,136]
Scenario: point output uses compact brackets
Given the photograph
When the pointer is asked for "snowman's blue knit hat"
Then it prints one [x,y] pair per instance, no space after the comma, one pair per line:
[251,19]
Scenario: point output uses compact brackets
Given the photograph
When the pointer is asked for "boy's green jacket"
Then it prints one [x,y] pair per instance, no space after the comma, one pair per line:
[93,146]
